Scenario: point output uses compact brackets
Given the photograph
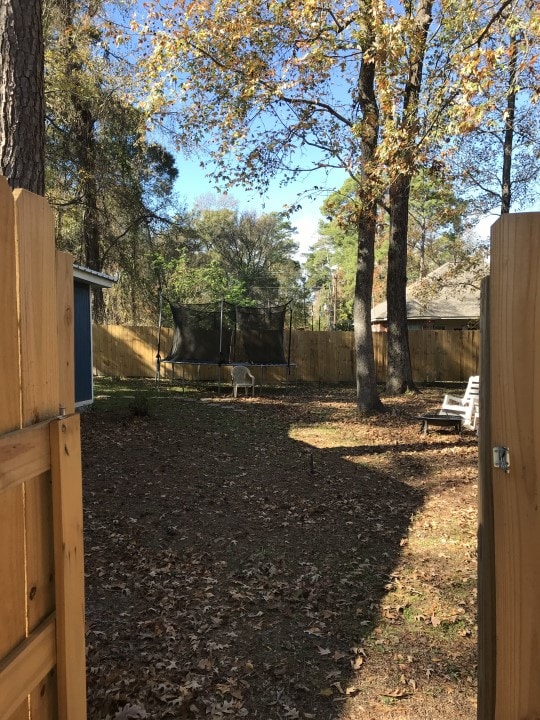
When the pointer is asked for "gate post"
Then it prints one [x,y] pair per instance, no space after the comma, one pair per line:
[486,557]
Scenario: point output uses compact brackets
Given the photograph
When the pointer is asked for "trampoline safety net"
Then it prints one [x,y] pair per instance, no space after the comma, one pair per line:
[222,333]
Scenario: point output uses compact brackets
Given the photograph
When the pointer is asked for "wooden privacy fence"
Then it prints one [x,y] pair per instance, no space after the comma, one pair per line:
[42,655]
[130,351]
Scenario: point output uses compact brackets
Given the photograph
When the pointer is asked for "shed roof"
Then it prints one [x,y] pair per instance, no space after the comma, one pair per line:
[92,277]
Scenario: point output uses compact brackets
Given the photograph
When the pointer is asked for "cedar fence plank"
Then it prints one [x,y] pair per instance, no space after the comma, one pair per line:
[12,561]
[38,306]
[66,335]
[24,454]
[44,699]
[9,347]
[12,581]
[40,399]
[515,419]
[26,666]
[40,569]
[36,320]
[487,641]
[69,554]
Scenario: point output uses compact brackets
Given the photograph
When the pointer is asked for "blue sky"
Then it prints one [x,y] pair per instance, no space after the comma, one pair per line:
[192,183]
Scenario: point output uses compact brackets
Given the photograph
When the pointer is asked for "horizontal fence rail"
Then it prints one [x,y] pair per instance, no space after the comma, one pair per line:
[327,357]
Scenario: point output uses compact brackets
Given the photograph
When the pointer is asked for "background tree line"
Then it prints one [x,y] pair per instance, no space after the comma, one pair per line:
[113,190]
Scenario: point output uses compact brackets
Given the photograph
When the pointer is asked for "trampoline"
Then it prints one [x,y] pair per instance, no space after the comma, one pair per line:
[222,334]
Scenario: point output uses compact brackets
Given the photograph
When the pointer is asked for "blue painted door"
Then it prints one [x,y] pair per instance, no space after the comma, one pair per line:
[83,343]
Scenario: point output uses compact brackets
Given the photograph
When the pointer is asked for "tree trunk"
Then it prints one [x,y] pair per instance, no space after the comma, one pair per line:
[423,250]
[368,400]
[85,151]
[22,113]
[399,373]
[86,145]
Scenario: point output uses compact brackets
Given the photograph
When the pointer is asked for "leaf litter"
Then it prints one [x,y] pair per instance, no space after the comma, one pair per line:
[288,561]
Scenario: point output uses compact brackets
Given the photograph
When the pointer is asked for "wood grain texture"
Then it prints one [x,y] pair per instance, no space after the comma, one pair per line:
[44,698]
[24,454]
[515,423]
[9,347]
[26,666]
[66,335]
[69,554]
[12,575]
[40,569]
[34,228]
[34,233]
[487,639]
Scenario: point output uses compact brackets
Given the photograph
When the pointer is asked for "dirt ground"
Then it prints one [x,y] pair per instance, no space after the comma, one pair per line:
[276,557]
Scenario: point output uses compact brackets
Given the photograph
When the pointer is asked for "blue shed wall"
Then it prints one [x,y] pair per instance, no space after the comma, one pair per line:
[83,344]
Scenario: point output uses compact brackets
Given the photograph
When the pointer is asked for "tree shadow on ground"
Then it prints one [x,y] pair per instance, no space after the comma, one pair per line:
[228,575]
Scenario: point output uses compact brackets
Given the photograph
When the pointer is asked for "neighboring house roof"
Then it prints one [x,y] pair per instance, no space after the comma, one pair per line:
[447,293]
[92,277]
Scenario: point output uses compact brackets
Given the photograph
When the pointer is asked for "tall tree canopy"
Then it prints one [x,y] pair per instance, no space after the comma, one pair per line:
[505,145]
[111,187]
[255,250]
[237,256]
[373,88]
[438,233]
[438,223]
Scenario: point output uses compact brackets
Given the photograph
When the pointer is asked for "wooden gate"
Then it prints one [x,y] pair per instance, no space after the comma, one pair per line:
[42,653]
[509,531]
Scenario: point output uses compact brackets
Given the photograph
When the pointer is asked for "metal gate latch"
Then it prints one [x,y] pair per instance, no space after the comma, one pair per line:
[501,458]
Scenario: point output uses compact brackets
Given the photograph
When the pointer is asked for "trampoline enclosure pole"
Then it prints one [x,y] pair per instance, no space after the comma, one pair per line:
[290,337]
[158,356]
[221,332]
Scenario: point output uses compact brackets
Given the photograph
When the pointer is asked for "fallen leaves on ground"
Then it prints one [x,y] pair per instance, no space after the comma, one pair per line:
[287,561]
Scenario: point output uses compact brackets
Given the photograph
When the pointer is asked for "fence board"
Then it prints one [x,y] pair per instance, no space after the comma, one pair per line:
[68,553]
[515,419]
[36,319]
[9,347]
[326,357]
[39,398]
[39,549]
[487,641]
[24,450]
[66,335]
[24,454]
[44,703]
[12,574]
[38,303]
[26,666]
[379,354]
[13,604]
